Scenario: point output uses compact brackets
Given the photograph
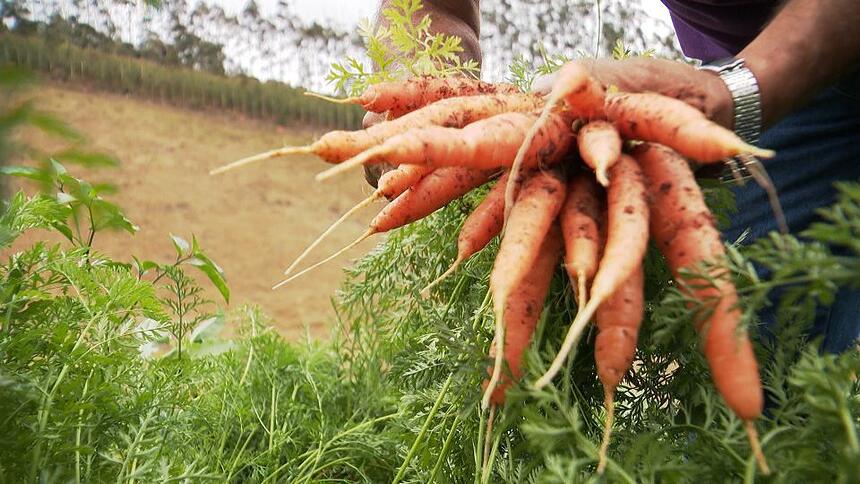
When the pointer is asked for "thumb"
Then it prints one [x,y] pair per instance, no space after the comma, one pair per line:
[543,84]
[372,118]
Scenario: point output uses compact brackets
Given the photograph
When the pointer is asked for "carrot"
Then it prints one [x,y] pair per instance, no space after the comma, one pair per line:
[489,143]
[430,194]
[600,146]
[531,218]
[404,96]
[336,146]
[582,93]
[484,223]
[618,320]
[523,309]
[396,181]
[676,124]
[684,230]
[391,184]
[433,192]
[581,222]
[626,241]
[584,97]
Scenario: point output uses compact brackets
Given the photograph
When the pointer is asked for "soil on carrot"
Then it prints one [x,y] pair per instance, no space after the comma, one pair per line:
[252,221]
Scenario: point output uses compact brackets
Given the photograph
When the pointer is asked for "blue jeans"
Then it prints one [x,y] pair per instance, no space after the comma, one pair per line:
[816,146]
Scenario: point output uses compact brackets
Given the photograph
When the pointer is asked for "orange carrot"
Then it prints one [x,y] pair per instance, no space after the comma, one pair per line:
[684,230]
[489,143]
[484,223]
[433,192]
[394,182]
[404,96]
[336,146]
[390,185]
[626,241]
[523,309]
[618,320]
[600,146]
[533,214]
[584,97]
[581,222]
[582,93]
[676,124]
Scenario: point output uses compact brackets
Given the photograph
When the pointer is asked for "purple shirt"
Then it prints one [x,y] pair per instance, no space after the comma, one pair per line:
[713,29]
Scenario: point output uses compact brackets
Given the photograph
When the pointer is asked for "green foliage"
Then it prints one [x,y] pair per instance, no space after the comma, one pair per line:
[399,48]
[178,86]
[522,73]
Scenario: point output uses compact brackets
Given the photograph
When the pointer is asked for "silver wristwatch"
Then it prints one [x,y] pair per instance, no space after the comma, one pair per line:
[746,100]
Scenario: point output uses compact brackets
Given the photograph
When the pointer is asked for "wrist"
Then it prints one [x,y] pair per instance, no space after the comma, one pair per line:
[720,107]
[741,109]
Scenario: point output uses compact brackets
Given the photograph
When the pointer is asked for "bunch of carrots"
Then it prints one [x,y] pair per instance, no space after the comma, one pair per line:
[582,175]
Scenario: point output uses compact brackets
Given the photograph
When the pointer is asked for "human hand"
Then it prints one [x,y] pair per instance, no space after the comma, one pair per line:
[373,171]
[703,90]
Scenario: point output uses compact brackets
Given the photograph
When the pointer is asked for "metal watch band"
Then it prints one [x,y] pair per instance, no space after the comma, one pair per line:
[746,100]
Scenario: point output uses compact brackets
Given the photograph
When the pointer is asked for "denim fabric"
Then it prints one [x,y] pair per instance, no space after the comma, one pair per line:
[816,146]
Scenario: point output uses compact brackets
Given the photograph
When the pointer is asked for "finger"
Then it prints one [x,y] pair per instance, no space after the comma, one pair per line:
[372,118]
[372,172]
[543,84]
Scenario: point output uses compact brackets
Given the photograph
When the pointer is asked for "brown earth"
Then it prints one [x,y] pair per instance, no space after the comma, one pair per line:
[252,221]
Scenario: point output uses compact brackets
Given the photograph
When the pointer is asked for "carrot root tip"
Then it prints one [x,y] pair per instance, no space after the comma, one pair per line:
[760,175]
[326,260]
[346,100]
[609,403]
[755,445]
[349,164]
[760,152]
[602,177]
[573,334]
[367,201]
[488,438]
[500,352]
[289,150]
[425,293]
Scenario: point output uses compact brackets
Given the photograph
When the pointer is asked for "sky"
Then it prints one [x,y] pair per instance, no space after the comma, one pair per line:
[348,13]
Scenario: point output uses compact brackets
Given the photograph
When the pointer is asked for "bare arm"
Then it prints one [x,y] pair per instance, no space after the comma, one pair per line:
[807,46]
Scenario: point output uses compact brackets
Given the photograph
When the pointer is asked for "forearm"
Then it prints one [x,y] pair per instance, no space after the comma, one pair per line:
[453,17]
[808,45]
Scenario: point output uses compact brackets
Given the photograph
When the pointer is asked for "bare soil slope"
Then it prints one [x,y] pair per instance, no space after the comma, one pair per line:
[252,221]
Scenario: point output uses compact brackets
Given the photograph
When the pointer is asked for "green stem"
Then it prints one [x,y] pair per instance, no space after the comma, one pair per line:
[479,452]
[834,276]
[237,454]
[48,401]
[272,418]
[445,449]
[850,430]
[427,421]
[323,448]
[78,430]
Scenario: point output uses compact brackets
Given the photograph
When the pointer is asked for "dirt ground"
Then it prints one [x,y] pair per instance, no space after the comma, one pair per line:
[252,221]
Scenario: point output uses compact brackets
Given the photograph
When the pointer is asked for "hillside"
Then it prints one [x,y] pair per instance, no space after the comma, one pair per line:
[252,221]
